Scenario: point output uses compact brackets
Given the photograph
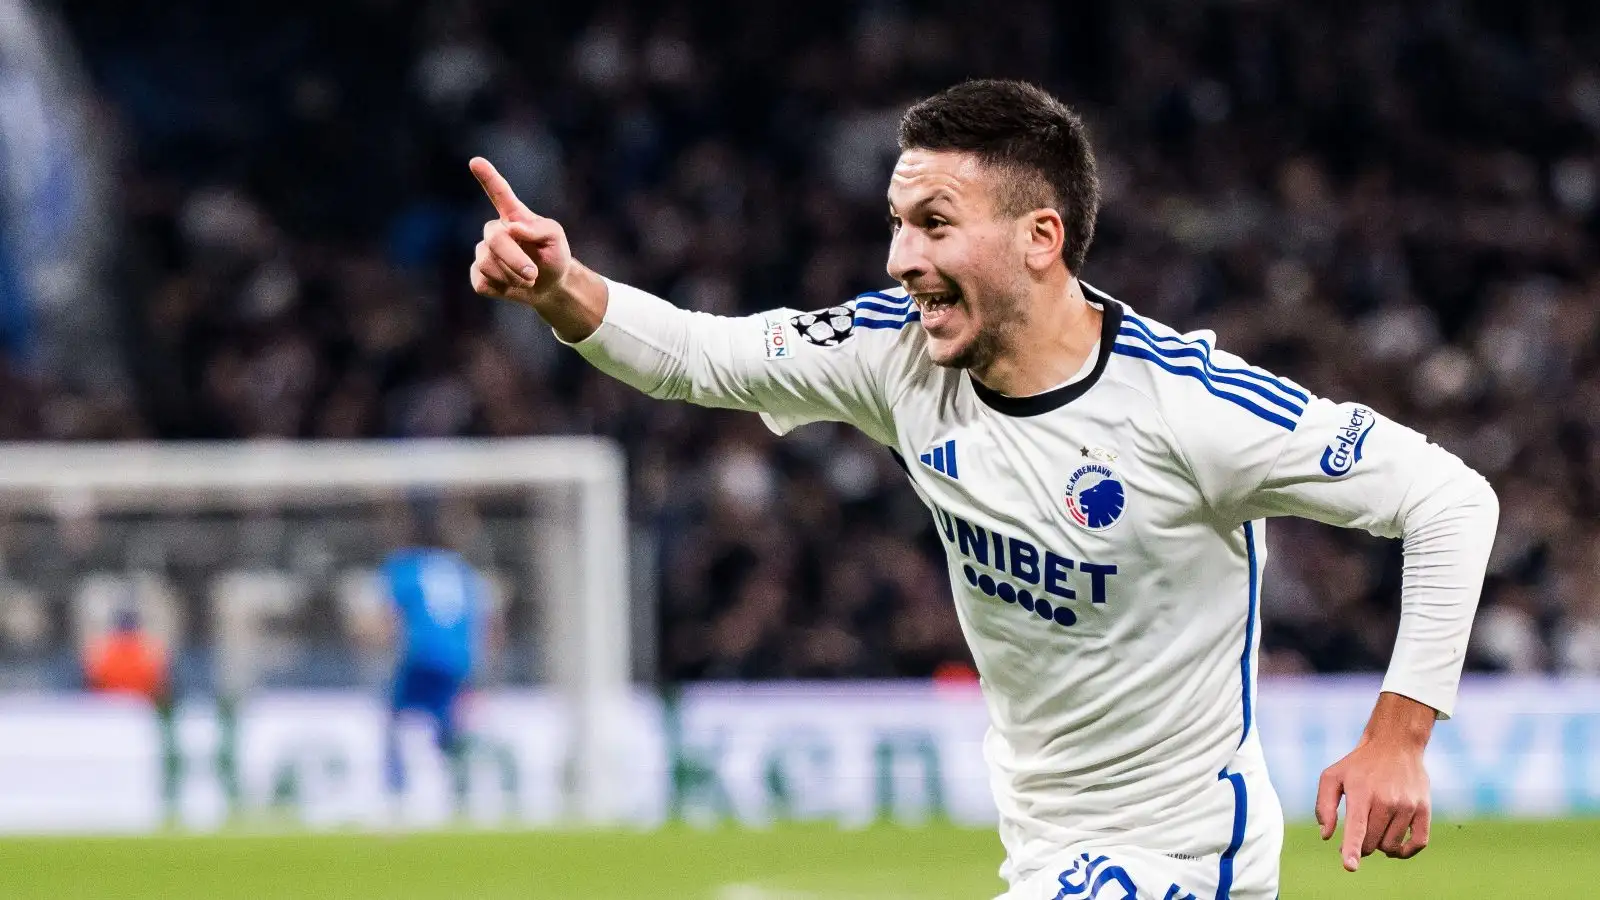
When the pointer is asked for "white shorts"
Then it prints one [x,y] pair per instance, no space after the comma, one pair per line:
[1247,870]
[1134,873]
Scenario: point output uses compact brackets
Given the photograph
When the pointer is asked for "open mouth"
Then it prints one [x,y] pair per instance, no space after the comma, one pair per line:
[936,307]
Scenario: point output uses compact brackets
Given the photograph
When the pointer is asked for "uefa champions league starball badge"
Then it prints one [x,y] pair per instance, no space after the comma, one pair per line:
[1095,496]
[825,327]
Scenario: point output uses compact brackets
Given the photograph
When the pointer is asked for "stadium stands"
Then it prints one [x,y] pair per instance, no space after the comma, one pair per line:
[1395,205]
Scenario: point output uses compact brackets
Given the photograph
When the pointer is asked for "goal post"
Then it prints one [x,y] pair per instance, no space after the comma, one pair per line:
[573,562]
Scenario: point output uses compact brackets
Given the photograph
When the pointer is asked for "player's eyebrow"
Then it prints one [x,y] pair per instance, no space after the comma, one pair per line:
[943,195]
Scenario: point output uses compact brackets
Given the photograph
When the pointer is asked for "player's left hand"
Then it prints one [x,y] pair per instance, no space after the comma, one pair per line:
[1384,785]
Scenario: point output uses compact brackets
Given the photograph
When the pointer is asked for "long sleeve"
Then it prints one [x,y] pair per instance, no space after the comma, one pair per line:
[1346,465]
[791,367]
[1274,449]
[1448,536]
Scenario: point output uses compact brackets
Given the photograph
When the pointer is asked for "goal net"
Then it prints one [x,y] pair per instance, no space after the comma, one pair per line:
[256,564]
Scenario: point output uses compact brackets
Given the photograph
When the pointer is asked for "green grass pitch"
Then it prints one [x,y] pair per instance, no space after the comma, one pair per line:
[1467,860]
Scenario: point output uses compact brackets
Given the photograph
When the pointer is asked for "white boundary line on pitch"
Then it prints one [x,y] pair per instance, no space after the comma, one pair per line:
[757,892]
[746,891]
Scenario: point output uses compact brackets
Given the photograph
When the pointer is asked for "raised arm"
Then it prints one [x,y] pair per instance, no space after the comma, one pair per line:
[791,367]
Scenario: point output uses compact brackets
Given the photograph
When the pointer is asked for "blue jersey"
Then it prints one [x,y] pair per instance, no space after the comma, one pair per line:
[440,600]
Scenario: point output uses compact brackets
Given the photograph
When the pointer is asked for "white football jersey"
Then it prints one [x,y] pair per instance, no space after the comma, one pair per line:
[1105,543]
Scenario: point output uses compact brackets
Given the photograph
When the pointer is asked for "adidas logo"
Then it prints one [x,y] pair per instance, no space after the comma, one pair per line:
[942,459]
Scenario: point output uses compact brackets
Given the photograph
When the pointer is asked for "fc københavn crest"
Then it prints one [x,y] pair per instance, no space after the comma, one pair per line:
[1095,497]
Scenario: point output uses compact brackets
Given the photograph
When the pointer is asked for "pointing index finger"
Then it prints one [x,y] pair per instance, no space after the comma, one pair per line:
[499,190]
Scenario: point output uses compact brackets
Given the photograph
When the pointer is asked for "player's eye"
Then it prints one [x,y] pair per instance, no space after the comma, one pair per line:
[894,223]
[937,222]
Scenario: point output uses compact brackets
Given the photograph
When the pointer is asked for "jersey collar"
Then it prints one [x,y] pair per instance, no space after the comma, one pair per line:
[1051,400]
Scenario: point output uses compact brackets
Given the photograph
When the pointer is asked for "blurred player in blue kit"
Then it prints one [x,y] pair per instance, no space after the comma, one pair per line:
[440,604]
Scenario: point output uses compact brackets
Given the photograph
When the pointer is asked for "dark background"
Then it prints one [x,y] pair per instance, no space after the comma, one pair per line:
[1396,203]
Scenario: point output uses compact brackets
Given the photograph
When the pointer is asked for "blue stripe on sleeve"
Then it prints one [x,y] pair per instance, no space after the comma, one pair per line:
[1205,360]
[879,307]
[1149,354]
[862,322]
[1131,319]
[901,302]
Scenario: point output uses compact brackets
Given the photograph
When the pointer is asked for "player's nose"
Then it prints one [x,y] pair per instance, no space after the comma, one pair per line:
[906,260]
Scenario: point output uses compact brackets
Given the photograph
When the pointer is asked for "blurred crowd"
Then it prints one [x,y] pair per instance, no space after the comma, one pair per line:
[1396,203]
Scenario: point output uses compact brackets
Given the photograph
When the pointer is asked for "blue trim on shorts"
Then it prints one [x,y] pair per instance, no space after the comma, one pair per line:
[1241,811]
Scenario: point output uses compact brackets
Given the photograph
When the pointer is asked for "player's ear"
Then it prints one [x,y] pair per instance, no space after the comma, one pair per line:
[1043,234]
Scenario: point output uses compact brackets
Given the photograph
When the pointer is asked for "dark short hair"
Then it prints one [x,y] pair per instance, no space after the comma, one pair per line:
[1037,143]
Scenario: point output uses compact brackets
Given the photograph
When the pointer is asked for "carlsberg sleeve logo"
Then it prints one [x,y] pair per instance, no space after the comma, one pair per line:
[1344,451]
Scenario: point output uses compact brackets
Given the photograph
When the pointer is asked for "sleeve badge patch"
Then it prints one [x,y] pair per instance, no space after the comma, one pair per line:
[826,327]
[776,336]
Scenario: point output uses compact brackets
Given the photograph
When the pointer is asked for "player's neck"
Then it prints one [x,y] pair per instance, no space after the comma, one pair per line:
[1047,349]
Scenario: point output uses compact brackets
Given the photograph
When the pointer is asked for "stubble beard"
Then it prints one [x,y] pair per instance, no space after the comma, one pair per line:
[979,353]
[1003,318]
